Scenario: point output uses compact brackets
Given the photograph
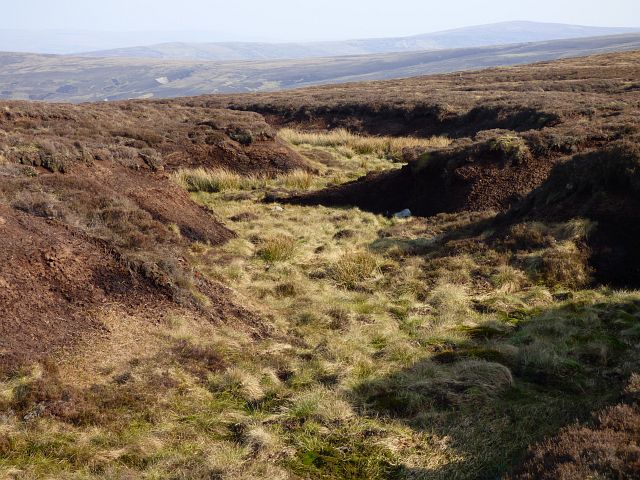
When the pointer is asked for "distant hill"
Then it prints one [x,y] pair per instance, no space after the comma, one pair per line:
[476,36]
[65,42]
[81,79]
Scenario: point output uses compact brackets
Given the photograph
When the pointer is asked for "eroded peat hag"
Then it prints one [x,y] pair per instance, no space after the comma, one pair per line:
[221,300]
[601,186]
[91,217]
[572,92]
[491,173]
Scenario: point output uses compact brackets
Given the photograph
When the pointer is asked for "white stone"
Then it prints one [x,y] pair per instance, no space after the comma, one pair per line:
[406,213]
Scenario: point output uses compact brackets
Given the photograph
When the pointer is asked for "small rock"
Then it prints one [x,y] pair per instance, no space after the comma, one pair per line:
[35,412]
[406,213]
[277,208]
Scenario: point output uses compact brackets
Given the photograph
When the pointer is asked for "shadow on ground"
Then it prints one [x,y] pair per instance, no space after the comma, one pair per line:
[509,383]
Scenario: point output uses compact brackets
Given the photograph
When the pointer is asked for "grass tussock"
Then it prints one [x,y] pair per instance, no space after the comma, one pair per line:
[222,180]
[277,249]
[353,268]
[352,143]
[210,181]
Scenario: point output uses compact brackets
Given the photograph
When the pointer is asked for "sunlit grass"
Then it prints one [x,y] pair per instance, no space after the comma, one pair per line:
[350,143]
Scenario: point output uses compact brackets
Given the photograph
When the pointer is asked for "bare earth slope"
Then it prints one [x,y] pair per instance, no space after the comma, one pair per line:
[90,220]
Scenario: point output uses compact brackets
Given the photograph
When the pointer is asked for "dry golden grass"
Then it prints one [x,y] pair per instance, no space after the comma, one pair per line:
[385,147]
[297,180]
[221,180]
[203,180]
[352,268]
[277,249]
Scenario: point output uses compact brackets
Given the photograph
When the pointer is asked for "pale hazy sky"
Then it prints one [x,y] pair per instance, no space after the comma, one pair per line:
[306,20]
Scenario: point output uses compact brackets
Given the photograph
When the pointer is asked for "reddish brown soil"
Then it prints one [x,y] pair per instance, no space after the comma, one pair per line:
[152,192]
[56,280]
[142,135]
[90,218]
[53,281]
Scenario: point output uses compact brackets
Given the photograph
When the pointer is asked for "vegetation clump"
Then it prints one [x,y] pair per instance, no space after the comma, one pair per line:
[353,268]
[392,148]
[510,147]
[277,249]
[202,180]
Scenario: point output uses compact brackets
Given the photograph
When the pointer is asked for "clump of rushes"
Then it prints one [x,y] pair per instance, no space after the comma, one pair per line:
[277,249]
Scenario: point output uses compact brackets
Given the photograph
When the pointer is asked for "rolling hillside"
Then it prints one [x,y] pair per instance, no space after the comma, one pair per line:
[475,36]
[78,79]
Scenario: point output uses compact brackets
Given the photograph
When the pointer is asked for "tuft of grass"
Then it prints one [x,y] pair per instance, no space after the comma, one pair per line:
[451,302]
[564,265]
[352,143]
[221,180]
[297,180]
[277,249]
[353,268]
[320,404]
[508,279]
[237,382]
[211,181]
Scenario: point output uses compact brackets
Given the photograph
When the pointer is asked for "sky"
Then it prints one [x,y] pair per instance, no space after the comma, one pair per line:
[296,20]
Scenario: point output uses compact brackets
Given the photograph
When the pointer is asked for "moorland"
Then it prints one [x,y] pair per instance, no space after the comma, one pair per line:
[219,287]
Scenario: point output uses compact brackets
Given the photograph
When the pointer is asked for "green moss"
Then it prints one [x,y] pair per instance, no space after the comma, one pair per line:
[510,147]
[342,454]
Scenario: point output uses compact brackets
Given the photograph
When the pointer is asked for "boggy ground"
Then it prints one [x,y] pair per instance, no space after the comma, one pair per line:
[420,348]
